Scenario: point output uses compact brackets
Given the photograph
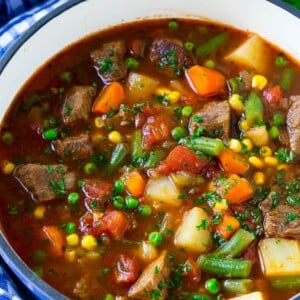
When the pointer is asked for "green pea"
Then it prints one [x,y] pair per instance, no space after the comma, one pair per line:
[131,202]
[212,285]
[66,76]
[187,111]
[132,63]
[145,210]
[118,202]
[278,119]
[39,256]
[38,270]
[189,46]
[173,25]
[7,137]
[89,168]
[155,238]
[109,297]
[50,134]
[209,63]
[280,61]
[119,186]
[274,132]
[178,133]
[70,227]
[73,198]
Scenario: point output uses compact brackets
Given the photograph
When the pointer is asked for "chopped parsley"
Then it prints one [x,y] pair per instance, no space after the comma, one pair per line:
[58,187]
[105,65]
[203,225]
[285,155]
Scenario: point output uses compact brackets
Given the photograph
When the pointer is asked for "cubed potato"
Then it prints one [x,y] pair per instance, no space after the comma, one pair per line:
[279,257]
[258,135]
[251,296]
[140,87]
[146,251]
[194,232]
[162,192]
[253,53]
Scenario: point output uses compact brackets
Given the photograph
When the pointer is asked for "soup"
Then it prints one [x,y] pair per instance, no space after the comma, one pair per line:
[158,160]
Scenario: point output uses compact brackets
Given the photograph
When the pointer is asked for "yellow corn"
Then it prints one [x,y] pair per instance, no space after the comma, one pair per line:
[98,137]
[235,145]
[174,97]
[211,187]
[259,178]
[259,82]
[99,123]
[70,255]
[7,167]
[72,239]
[244,126]
[221,205]
[88,242]
[271,161]
[39,211]
[284,167]
[256,162]
[115,137]
[248,144]
[236,104]
[265,151]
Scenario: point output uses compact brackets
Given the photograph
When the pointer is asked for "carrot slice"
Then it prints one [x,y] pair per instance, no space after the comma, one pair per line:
[109,98]
[233,162]
[56,239]
[236,189]
[134,183]
[227,226]
[205,81]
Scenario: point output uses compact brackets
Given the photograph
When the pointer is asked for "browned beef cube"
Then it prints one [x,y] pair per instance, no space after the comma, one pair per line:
[109,61]
[45,182]
[77,105]
[74,147]
[170,57]
[293,124]
[154,275]
[214,118]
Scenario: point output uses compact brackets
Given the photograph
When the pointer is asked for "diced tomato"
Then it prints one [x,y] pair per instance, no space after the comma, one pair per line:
[272,95]
[97,189]
[156,130]
[126,270]
[189,97]
[56,239]
[182,159]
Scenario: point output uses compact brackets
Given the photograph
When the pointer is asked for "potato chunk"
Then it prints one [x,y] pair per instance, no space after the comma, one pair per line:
[251,296]
[279,257]
[194,232]
[253,53]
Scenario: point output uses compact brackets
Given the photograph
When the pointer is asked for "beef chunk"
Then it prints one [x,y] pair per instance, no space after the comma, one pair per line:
[293,124]
[154,275]
[170,57]
[280,220]
[45,182]
[109,61]
[77,105]
[214,118]
[75,147]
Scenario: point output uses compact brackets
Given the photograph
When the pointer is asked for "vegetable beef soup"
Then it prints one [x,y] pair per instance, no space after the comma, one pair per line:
[158,160]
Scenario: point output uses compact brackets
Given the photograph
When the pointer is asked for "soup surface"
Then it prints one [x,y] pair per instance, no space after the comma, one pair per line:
[158,160]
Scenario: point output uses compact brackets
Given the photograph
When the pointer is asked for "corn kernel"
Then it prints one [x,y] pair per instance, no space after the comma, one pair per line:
[265,151]
[72,239]
[115,137]
[235,145]
[162,91]
[271,161]
[98,137]
[259,178]
[244,126]
[70,255]
[248,144]
[236,104]
[7,167]
[174,97]
[39,211]
[99,123]
[88,242]
[211,187]
[221,205]
[284,167]
[256,162]
[259,82]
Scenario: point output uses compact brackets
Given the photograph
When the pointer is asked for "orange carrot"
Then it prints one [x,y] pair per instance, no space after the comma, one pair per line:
[233,162]
[56,239]
[205,81]
[227,226]
[235,189]
[110,97]
[134,183]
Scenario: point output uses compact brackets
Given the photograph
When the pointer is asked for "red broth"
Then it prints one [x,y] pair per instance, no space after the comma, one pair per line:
[154,160]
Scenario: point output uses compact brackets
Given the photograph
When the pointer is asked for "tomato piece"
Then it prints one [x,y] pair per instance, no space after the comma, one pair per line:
[272,95]
[126,270]
[97,189]
[182,159]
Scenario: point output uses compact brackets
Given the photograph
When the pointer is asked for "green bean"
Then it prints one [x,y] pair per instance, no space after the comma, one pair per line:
[212,45]
[136,146]
[117,158]
[254,109]
[198,296]
[287,79]
[227,267]
[286,283]
[236,245]
[237,286]
[207,145]
[155,157]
